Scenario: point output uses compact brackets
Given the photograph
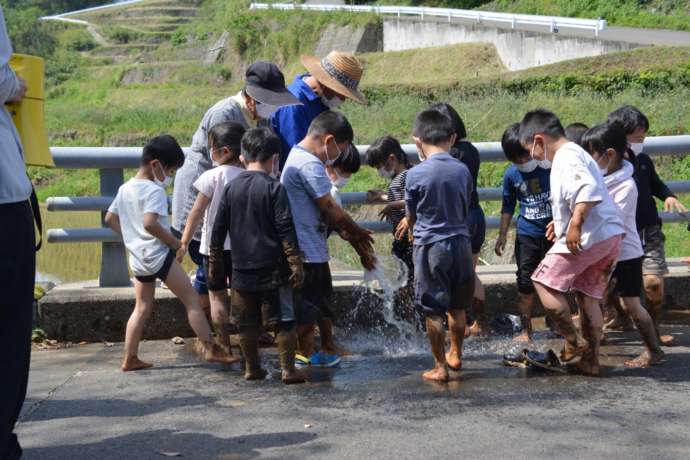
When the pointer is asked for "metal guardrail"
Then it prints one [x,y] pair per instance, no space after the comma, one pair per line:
[111,162]
[554,23]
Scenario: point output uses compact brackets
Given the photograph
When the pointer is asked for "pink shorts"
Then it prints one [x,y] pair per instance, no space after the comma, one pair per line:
[587,272]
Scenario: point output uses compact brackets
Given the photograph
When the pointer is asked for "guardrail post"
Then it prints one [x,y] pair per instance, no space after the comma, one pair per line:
[114,271]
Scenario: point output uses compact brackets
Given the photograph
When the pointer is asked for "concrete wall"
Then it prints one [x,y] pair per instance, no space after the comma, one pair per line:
[350,39]
[517,49]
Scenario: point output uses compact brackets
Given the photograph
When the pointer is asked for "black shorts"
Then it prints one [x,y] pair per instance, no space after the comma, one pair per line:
[313,301]
[477,223]
[161,274]
[529,252]
[627,278]
[221,279]
[256,308]
[402,249]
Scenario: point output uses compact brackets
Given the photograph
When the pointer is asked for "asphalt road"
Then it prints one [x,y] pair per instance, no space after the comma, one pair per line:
[376,405]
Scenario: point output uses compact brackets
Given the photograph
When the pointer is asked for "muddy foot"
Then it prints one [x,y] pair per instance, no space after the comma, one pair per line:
[667,340]
[134,364]
[258,374]
[214,353]
[478,330]
[571,352]
[616,325]
[645,360]
[454,363]
[294,376]
[586,367]
[437,374]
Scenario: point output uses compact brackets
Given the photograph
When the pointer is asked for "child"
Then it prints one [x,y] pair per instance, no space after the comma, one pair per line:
[607,145]
[255,212]
[342,169]
[437,197]
[574,132]
[388,158]
[649,185]
[224,147]
[587,234]
[525,181]
[139,214]
[469,155]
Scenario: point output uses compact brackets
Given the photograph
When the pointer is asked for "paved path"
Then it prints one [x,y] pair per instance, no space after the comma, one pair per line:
[375,406]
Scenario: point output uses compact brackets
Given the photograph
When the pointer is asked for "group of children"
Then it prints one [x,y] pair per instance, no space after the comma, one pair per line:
[264,237]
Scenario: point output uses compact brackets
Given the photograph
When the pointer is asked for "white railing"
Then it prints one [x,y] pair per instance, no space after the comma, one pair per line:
[554,23]
[63,16]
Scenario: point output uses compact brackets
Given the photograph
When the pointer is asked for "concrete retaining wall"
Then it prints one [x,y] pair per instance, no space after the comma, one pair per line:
[82,312]
[366,39]
[517,49]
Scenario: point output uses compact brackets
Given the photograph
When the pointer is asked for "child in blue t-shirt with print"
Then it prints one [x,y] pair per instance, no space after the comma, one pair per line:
[526,181]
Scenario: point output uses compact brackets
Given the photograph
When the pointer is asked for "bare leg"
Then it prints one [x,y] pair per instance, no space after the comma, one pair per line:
[592,329]
[205,303]
[632,307]
[654,289]
[135,326]
[525,306]
[305,339]
[287,341]
[221,320]
[558,309]
[328,344]
[179,284]
[437,339]
[481,324]
[456,326]
[249,341]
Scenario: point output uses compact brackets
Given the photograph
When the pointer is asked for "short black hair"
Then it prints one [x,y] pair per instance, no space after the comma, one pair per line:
[432,127]
[259,145]
[383,147]
[349,161]
[574,131]
[165,149]
[227,134]
[540,121]
[455,120]
[629,118]
[603,137]
[510,142]
[333,123]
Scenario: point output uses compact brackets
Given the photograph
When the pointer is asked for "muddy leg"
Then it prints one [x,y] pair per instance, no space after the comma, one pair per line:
[645,326]
[287,342]
[457,321]
[557,307]
[249,341]
[525,306]
[437,339]
[654,290]
[592,329]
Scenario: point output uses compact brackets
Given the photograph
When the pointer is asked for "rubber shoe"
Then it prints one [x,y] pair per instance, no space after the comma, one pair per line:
[301,361]
[321,359]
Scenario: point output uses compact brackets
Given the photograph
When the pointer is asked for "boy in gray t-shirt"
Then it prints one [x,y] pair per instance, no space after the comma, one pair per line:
[437,197]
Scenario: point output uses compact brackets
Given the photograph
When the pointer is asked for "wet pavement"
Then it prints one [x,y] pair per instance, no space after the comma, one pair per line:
[376,405]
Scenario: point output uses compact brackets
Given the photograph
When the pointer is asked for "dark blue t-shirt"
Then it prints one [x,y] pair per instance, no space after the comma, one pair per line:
[533,191]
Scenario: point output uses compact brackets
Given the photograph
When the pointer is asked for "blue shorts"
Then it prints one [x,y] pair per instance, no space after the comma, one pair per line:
[443,275]
[477,224]
[194,254]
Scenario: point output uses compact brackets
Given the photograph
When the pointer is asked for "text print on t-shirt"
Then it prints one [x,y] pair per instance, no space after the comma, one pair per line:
[535,201]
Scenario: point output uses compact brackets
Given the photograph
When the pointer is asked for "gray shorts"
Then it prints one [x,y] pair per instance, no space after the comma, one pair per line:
[654,261]
[443,275]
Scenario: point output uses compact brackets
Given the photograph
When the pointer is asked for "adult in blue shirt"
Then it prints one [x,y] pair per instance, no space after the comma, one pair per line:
[327,84]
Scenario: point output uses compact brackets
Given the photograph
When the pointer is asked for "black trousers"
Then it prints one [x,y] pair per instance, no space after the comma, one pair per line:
[17,276]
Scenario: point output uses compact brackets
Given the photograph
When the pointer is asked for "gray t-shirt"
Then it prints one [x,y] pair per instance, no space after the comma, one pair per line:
[437,194]
[305,179]
[198,160]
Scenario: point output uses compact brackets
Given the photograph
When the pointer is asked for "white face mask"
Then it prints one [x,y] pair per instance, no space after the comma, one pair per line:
[527,167]
[264,111]
[383,172]
[604,171]
[545,164]
[637,147]
[340,181]
[332,103]
[165,183]
[329,161]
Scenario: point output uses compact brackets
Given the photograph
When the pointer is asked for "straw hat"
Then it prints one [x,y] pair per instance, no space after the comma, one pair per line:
[339,71]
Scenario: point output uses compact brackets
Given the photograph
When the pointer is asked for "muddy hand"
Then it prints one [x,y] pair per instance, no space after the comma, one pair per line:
[402,229]
[500,245]
[572,239]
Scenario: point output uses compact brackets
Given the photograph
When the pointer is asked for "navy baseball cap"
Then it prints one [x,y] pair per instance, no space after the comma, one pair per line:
[265,83]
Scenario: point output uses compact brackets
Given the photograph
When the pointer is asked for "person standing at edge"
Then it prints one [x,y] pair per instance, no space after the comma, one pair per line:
[264,92]
[17,257]
[329,82]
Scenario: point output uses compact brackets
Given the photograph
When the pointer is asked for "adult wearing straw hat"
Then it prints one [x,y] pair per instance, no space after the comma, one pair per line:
[328,83]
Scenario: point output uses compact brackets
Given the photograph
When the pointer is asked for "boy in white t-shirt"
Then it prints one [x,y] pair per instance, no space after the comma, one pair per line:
[139,214]
[607,145]
[224,145]
[587,235]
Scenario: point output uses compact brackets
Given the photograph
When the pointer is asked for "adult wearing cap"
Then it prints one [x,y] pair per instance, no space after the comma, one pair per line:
[264,93]
[327,84]
[17,258]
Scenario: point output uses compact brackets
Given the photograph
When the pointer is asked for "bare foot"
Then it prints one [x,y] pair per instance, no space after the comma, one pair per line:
[133,363]
[293,376]
[522,338]
[437,374]
[454,362]
[214,353]
[258,374]
[646,359]
[667,340]
[571,352]
[618,325]
[477,330]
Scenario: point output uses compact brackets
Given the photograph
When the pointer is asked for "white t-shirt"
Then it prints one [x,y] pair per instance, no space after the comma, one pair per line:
[623,191]
[134,199]
[211,184]
[335,193]
[575,178]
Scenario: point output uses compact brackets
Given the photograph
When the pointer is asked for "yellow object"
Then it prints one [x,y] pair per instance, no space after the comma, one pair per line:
[28,114]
